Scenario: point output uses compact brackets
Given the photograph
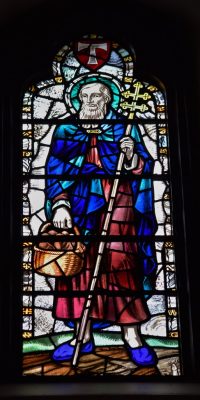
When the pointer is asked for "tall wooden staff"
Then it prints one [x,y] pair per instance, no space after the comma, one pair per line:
[125,105]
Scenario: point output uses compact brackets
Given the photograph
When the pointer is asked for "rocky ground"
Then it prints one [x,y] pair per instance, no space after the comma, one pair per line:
[111,361]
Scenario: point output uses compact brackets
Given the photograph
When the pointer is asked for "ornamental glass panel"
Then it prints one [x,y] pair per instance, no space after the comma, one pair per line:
[98,259]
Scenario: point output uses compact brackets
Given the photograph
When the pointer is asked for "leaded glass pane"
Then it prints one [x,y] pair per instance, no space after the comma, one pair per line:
[98,255]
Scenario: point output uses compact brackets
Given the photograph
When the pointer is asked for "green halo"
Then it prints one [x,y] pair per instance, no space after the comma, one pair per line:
[116,95]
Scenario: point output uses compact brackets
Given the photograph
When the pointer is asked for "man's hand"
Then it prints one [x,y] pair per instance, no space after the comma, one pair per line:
[127,146]
[62,218]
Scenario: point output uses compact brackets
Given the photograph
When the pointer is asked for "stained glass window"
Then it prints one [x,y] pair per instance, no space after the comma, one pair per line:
[98,258]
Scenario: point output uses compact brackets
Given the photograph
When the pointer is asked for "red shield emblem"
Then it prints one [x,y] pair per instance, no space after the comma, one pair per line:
[92,53]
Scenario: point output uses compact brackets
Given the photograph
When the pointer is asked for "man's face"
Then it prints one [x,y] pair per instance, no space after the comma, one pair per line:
[93,102]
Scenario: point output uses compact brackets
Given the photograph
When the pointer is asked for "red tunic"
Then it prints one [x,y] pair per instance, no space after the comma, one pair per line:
[120,267]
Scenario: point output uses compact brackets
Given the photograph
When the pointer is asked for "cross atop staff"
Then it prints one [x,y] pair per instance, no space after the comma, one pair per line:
[135,94]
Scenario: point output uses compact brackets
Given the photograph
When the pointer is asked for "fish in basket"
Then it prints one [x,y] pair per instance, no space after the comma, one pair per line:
[58,258]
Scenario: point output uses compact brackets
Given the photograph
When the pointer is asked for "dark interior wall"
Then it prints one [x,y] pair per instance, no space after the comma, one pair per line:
[166,37]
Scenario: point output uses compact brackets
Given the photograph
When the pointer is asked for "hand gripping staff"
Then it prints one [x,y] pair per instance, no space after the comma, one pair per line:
[85,315]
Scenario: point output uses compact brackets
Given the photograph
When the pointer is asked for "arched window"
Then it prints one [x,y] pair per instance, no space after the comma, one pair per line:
[98,259]
[165,48]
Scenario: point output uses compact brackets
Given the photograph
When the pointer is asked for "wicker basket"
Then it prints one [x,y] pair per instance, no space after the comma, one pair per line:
[57,263]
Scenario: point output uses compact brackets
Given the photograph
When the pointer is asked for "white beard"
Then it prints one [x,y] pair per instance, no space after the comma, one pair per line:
[87,112]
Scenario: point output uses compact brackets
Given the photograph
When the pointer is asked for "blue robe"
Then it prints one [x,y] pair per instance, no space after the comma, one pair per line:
[67,159]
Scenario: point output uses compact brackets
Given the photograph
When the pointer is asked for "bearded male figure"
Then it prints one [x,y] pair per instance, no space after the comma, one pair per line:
[84,155]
